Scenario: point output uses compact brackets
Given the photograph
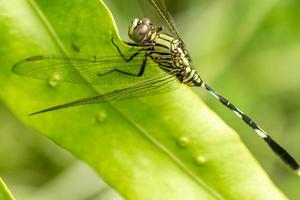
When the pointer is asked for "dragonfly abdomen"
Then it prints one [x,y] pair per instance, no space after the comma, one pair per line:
[190,76]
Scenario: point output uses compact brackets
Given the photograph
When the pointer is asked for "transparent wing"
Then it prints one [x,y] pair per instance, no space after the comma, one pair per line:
[156,85]
[160,7]
[94,70]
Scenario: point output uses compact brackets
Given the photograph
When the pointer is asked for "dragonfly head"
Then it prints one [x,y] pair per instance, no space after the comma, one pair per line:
[142,31]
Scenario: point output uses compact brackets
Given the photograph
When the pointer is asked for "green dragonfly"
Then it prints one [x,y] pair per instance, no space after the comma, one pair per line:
[169,53]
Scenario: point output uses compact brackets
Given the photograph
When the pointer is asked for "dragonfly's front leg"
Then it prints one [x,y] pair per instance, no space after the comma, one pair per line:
[146,47]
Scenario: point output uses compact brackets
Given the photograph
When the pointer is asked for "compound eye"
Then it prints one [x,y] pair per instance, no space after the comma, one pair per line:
[140,33]
[145,21]
[139,30]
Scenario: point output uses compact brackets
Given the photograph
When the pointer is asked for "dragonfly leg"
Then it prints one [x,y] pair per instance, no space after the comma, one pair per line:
[123,56]
[140,45]
[140,73]
[143,66]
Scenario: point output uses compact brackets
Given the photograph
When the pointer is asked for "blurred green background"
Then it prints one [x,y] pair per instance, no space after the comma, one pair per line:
[247,50]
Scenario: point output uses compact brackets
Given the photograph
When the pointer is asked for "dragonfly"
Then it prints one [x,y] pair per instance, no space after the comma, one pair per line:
[167,51]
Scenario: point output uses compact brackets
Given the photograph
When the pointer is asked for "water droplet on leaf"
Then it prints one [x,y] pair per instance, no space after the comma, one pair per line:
[101,116]
[183,141]
[54,80]
[200,160]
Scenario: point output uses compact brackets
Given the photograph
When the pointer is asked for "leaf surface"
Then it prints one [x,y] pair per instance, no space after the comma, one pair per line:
[168,146]
[4,192]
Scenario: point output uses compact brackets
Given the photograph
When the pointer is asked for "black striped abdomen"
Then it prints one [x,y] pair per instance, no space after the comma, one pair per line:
[190,77]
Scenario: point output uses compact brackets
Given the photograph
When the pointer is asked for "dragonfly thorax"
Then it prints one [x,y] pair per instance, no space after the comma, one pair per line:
[176,60]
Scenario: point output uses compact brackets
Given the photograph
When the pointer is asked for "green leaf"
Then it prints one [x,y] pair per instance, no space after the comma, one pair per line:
[4,192]
[168,146]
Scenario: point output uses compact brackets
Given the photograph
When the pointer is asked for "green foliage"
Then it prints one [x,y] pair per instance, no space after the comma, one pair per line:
[4,192]
[167,146]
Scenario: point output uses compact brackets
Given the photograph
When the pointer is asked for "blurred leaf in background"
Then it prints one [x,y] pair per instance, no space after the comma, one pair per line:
[248,50]
[37,169]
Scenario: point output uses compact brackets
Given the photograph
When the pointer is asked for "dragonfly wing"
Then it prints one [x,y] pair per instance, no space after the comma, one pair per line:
[94,70]
[157,85]
[160,7]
